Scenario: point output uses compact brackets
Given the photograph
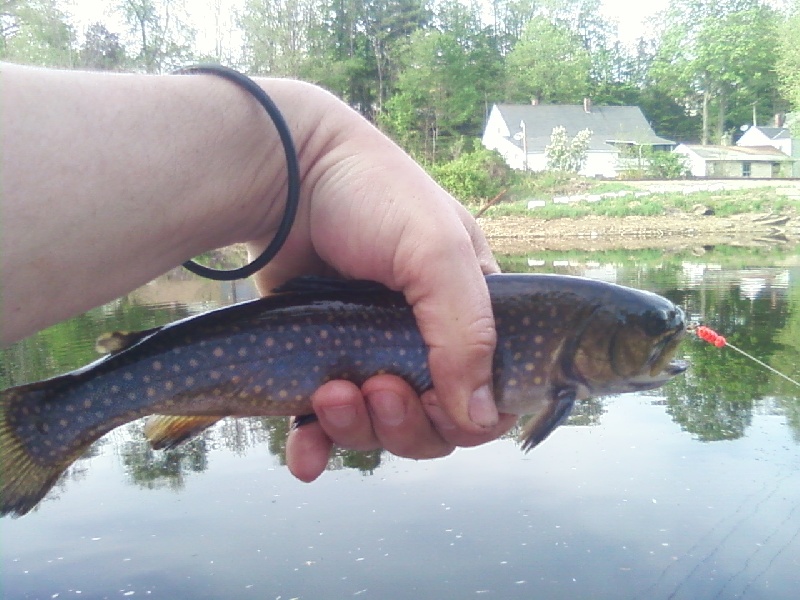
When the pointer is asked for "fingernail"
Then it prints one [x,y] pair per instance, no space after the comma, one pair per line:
[482,409]
[340,416]
[388,407]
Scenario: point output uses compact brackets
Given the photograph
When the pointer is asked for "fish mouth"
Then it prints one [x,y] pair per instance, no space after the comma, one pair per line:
[675,368]
[663,364]
[658,376]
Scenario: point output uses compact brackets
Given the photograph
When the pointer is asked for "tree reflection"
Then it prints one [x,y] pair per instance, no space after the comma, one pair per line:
[153,469]
[715,399]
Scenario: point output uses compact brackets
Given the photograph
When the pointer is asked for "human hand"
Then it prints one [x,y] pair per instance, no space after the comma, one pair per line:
[193,152]
[369,212]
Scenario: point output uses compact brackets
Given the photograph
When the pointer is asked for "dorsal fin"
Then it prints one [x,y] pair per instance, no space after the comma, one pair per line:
[117,341]
[314,283]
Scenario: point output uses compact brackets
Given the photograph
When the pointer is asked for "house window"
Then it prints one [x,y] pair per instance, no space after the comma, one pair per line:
[746,169]
[776,169]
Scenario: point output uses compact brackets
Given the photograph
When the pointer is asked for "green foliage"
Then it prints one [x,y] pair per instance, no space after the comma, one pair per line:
[102,50]
[567,155]
[547,64]
[36,32]
[718,58]
[666,165]
[643,162]
[276,35]
[429,71]
[439,89]
[788,66]
[163,37]
[724,203]
[473,176]
[435,92]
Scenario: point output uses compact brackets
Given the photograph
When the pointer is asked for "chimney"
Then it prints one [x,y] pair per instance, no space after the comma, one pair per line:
[587,105]
[780,119]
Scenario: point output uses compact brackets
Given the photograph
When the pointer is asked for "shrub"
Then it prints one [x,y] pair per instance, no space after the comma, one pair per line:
[473,176]
[567,155]
[643,161]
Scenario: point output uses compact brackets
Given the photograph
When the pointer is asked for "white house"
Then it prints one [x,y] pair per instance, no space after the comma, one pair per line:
[777,137]
[521,132]
[736,161]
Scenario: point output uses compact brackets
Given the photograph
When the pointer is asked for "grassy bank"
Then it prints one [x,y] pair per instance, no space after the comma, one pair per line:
[635,202]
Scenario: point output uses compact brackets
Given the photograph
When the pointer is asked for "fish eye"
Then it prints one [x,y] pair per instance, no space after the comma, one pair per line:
[658,322]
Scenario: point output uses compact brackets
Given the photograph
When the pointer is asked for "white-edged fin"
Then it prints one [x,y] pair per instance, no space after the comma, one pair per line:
[167,431]
[542,424]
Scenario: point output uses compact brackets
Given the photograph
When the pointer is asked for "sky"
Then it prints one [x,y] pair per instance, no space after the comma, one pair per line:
[629,14]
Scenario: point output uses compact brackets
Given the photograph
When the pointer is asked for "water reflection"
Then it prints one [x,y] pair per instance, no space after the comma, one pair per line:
[756,307]
[624,502]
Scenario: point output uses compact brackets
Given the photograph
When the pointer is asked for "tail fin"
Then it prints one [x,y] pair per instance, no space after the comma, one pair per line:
[24,478]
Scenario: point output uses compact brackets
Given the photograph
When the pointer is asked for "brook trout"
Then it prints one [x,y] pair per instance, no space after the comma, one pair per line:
[559,339]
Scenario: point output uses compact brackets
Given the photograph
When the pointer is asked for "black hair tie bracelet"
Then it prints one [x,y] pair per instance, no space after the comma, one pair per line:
[293,195]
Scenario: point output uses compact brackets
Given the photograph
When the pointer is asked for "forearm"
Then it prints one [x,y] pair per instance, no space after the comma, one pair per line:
[110,180]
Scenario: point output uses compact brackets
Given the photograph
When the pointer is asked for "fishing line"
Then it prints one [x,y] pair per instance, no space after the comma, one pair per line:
[293,193]
[712,337]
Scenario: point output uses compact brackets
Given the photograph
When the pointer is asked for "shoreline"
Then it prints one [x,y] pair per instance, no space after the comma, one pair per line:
[514,234]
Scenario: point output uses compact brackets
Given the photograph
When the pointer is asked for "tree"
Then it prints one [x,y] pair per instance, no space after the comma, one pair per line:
[102,50]
[548,64]
[388,24]
[788,66]
[36,32]
[276,35]
[343,59]
[719,56]
[165,40]
[442,90]
[509,18]
[435,93]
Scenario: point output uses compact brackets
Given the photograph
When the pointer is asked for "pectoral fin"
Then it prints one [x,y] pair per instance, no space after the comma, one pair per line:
[167,431]
[542,424]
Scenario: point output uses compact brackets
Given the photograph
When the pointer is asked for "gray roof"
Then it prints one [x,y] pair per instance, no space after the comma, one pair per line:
[738,153]
[774,133]
[623,124]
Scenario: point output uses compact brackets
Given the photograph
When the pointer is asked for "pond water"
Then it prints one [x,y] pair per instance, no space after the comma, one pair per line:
[691,491]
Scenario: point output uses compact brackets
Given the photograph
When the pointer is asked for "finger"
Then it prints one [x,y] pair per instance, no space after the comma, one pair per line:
[452,307]
[399,420]
[457,436]
[483,251]
[307,451]
[344,416]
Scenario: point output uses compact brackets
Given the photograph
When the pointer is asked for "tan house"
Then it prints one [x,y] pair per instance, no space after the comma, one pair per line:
[736,161]
[778,137]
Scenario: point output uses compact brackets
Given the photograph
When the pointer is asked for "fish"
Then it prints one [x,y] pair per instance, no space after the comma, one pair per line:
[559,339]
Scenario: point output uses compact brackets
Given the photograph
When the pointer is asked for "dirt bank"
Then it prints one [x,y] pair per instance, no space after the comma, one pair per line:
[510,235]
